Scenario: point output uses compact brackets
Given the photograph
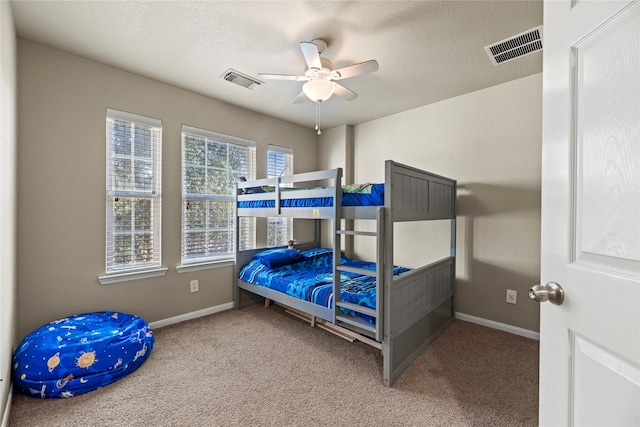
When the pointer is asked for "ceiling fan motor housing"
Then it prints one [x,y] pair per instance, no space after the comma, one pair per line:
[320,44]
[323,73]
[326,64]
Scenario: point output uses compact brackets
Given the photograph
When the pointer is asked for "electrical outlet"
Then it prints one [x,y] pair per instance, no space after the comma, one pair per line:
[194,286]
[512,296]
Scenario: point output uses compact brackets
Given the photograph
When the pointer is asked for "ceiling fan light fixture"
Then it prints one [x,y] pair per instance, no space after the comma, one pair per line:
[319,90]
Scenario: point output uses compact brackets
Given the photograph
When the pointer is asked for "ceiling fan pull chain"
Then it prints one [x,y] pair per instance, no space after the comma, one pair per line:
[318,118]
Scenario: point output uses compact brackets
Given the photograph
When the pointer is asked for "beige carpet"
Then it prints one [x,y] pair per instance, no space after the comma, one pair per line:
[259,366]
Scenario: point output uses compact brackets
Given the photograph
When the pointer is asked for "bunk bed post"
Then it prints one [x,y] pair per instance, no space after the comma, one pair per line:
[387,342]
[380,218]
[236,268]
[277,193]
[337,241]
[452,251]
[453,223]
[318,234]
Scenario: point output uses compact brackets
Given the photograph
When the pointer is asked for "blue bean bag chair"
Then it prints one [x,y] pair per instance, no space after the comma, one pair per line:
[80,353]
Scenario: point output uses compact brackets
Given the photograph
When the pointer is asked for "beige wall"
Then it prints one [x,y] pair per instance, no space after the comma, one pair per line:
[61,185]
[490,142]
[335,150]
[8,280]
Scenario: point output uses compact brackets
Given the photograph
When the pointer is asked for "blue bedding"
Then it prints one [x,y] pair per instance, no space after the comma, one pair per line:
[374,196]
[312,280]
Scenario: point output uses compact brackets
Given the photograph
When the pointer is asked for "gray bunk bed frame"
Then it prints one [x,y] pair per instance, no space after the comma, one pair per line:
[412,309]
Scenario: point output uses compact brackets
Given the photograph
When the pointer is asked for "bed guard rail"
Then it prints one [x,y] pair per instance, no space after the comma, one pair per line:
[278,188]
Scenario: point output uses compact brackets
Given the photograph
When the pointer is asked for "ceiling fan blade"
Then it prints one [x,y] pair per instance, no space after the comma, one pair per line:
[311,55]
[345,93]
[355,70]
[298,99]
[283,77]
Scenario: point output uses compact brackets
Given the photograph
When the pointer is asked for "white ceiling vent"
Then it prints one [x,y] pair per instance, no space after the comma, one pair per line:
[238,78]
[514,47]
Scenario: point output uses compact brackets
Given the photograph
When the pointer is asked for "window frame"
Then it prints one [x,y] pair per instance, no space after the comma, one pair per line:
[210,260]
[122,183]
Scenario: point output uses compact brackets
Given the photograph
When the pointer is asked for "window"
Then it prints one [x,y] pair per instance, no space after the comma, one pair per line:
[279,162]
[133,192]
[211,165]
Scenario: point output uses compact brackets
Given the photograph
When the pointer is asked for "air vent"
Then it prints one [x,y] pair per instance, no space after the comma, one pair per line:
[514,47]
[238,78]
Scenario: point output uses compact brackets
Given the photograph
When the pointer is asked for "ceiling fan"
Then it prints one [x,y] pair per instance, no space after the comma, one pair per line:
[320,77]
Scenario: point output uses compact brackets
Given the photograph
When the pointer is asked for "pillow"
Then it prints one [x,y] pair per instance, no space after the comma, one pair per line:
[357,188]
[279,257]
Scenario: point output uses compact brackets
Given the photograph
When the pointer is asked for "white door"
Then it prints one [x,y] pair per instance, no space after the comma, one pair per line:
[590,344]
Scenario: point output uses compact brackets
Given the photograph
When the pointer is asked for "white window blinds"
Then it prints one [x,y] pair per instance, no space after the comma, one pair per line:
[211,165]
[133,193]
[279,163]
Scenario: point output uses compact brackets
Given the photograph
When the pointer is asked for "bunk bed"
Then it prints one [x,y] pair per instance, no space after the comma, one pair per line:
[410,309]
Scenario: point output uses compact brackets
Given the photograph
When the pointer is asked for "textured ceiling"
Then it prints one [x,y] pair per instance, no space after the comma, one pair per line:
[427,50]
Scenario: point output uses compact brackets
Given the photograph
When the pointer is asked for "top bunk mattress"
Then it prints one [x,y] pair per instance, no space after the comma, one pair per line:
[371,195]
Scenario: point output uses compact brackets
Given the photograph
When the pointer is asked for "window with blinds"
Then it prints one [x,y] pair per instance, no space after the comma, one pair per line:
[279,162]
[133,192]
[212,163]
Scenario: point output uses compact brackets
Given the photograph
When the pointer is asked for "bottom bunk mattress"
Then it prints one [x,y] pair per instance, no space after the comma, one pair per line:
[308,276]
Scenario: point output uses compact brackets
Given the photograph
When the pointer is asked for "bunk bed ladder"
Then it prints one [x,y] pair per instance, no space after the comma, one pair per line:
[374,329]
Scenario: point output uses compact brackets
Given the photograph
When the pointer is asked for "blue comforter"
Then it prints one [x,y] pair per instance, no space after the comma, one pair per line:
[312,279]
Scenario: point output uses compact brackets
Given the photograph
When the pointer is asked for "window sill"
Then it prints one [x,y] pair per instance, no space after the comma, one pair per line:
[185,268]
[131,275]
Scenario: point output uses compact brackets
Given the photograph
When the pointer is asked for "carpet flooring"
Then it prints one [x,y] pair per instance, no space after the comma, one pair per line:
[260,366]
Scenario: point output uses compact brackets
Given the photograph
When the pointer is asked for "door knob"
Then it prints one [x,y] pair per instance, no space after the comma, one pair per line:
[549,292]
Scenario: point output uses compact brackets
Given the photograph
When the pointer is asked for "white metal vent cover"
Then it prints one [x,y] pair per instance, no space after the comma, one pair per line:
[241,79]
[516,46]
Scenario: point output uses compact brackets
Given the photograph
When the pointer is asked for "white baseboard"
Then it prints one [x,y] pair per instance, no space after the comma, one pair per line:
[500,326]
[192,315]
[7,408]
[462,316]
